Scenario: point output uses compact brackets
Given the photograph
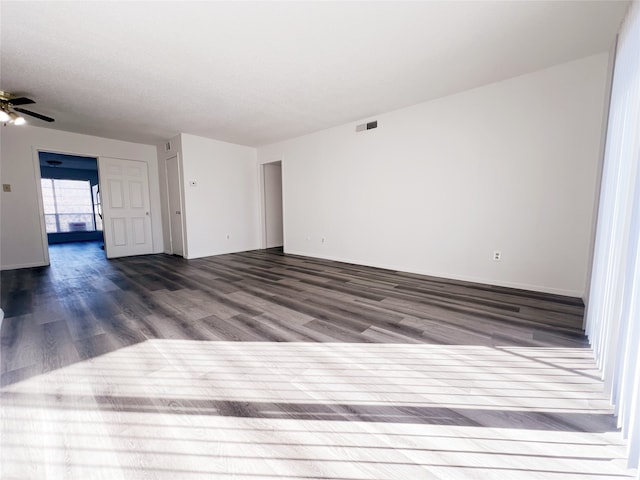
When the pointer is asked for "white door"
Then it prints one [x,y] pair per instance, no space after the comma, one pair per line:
[125,207]
[175,205]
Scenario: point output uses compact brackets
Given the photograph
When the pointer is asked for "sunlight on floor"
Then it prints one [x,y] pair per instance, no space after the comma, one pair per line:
[185,409]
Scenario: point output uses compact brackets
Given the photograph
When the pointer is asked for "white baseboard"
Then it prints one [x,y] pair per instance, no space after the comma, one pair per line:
[516,285]
[25,265]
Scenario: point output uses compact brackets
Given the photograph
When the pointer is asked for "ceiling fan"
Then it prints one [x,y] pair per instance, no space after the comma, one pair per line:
[10,104]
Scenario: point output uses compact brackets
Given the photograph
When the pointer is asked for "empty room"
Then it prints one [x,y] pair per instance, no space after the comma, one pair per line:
[320,240]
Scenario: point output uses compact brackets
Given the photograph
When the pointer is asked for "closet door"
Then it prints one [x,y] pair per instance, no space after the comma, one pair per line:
[124,185]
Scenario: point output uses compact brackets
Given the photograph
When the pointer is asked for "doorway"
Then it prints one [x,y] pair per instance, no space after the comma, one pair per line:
[72,221]
[70,198]
[273,205]
[174,199]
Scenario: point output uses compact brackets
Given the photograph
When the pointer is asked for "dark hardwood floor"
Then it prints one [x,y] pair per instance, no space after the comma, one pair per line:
[266,365]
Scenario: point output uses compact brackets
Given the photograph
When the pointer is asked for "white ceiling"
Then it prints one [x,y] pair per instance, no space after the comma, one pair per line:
[254,73]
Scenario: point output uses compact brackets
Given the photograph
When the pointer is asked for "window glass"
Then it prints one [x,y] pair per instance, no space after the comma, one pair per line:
[68,205]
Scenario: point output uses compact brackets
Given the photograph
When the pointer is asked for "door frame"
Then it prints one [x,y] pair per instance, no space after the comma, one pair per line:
[180,200]
[35,156]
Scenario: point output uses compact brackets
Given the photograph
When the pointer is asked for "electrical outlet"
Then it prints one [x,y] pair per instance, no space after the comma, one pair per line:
[497,256]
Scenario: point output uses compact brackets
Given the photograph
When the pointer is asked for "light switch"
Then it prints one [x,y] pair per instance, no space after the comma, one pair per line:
[6,187]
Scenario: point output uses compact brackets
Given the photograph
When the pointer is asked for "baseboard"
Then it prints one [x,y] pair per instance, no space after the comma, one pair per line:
[218,252]
[25,265]
[462,278]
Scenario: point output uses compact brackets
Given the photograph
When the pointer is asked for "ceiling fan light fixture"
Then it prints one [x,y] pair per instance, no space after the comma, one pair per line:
[17,119]
[12,113]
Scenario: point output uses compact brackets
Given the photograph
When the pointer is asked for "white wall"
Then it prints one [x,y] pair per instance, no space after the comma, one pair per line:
[439,186]
[21,238]
[221,211]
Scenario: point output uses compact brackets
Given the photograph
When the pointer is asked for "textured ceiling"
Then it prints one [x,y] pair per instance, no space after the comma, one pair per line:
[254,73]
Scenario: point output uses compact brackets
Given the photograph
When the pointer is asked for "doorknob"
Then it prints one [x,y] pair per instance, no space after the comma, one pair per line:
[177,212]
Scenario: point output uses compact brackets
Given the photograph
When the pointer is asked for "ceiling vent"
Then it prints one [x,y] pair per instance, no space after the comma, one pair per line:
[367,126]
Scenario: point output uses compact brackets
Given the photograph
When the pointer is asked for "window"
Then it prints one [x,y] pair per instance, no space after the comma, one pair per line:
[613,309]
[68,206]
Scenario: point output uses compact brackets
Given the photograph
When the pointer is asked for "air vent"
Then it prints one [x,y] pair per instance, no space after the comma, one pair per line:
[367,126]
[167,147]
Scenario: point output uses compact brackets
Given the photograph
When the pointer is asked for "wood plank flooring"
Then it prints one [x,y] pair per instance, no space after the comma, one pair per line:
[261,365]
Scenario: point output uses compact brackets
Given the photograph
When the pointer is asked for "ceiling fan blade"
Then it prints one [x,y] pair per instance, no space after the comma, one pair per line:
[34,114]
[21,101]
